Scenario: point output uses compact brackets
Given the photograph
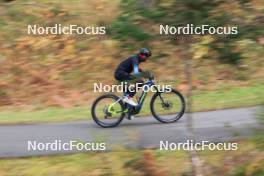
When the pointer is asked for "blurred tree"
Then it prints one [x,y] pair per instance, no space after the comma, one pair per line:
[181,12]
[7,0]
[213,13]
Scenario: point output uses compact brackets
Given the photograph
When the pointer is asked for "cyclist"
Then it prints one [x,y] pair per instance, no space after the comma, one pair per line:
[128,70]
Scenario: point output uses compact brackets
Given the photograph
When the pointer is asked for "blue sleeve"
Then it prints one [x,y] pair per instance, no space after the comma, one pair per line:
[136,71]
[135,65]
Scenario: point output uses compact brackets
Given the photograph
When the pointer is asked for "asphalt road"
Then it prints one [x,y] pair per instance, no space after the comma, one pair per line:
[213,126]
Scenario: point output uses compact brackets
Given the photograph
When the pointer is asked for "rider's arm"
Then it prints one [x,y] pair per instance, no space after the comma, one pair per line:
[136,69]
[137,72]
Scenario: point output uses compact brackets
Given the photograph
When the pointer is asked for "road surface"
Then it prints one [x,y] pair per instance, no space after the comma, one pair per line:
[142,132]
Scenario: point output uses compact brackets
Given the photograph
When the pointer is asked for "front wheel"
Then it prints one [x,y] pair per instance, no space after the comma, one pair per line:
[108,110]
[167,106]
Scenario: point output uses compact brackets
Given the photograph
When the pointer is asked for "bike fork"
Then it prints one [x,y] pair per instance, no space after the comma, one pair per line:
[161,98]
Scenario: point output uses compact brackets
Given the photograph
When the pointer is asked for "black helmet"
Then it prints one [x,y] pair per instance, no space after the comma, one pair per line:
[145,51]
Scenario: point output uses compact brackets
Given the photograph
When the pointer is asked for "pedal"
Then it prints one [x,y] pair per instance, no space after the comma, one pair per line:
[132,117]
[129,115]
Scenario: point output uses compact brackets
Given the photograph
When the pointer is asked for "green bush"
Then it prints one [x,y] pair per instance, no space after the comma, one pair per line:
[123,28]
[239,171]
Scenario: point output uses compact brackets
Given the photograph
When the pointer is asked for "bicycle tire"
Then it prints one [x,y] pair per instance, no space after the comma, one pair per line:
[96,119]
[179,114]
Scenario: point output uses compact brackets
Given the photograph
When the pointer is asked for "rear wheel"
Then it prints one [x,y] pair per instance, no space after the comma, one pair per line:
[108,110]
[168,106]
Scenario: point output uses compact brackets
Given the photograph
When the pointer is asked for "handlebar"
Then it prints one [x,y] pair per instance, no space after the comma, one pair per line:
[149,75]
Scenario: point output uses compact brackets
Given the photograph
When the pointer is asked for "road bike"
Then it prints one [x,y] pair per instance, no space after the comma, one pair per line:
[166,106]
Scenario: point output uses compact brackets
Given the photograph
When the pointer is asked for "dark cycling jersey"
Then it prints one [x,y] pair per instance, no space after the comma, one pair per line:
[126,67]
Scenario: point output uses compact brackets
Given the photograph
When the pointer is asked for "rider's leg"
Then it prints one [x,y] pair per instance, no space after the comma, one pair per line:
[128,94]
[139,84]
[127,80]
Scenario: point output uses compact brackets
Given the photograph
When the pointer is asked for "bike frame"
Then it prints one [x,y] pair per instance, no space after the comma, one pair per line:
[143,95]
[141,99]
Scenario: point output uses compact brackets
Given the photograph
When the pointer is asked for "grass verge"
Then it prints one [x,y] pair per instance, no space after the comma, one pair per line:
[246,160]
[116,163]
[202,101]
